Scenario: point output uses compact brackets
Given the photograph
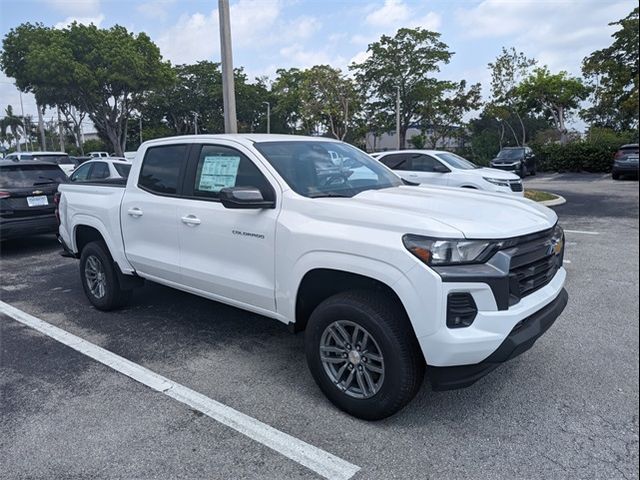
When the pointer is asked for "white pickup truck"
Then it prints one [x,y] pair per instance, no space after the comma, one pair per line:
[386,278]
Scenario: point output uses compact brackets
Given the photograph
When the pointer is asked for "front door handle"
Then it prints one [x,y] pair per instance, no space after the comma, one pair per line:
[135,212]
[190,220]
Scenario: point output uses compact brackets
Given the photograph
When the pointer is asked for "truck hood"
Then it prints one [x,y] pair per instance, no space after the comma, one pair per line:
[424,209]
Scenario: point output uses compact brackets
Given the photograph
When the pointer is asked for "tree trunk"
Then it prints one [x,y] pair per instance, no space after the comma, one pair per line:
[60,132]
[403,137]
[561,125]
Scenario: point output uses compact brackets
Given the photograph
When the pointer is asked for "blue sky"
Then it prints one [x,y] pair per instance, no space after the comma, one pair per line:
[270,34]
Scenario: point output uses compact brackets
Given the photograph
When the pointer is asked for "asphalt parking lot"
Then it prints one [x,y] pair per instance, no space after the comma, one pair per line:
[568,408]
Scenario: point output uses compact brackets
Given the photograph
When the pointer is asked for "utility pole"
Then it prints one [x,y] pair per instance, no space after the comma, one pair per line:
[268,116]
[60,133]
[24,123]
[43,140]
[398,117]
[195,122]
[228,90]
[140,120]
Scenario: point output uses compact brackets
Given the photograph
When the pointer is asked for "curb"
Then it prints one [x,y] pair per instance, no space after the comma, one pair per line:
[555,202]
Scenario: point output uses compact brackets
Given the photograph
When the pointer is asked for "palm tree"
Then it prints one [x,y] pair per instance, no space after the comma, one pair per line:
[13,123]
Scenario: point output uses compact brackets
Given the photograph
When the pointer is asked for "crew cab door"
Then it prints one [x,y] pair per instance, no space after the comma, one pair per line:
[227,253]
[148,213]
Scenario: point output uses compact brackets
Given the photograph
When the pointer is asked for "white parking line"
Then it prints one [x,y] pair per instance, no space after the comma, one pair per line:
[316,459]
[582,232]
[566,261]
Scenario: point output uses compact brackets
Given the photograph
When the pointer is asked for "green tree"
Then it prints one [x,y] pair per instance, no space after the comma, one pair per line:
[330,99]
[401,65]
[444,107]
[613,73]
[555,95]
[507,71]
[286,96]
[14,124]
[104,72]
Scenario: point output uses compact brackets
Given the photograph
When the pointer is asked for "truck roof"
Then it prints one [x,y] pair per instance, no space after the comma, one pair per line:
[243,138]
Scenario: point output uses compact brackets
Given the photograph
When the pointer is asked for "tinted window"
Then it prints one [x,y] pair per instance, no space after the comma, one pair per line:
[423,163]
[58,159]
[222,167]
[310,168]
[122,169]
[21,175]
[81,174]
[396,161]
[511,153]
[161,168]
[100,171]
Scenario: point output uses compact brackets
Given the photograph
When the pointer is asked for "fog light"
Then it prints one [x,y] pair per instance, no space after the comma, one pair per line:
[461,310]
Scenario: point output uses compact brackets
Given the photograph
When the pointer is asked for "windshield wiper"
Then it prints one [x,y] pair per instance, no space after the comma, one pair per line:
[330,195]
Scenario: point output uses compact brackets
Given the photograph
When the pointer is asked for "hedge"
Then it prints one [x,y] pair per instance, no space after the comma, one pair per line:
[576,156]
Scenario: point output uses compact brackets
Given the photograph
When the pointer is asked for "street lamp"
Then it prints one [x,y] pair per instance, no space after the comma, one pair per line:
[268,116]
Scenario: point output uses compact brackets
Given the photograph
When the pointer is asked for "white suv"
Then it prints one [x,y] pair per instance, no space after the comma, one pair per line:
[436,167]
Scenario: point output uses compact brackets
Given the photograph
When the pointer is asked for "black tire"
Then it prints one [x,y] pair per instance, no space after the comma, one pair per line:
[388,325]
[114,296]
[615,175]
[534,171]
[523,171]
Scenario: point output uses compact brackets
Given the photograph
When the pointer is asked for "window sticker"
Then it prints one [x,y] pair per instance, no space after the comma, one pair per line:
[218,172]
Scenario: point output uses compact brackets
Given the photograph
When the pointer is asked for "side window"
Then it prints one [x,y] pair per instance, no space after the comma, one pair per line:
[160,170]
[100,171]
[395,161]
[222,167]
[81,174]
[422,163]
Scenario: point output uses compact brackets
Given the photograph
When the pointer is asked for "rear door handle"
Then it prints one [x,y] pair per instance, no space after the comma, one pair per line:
[135,212]
[190,220]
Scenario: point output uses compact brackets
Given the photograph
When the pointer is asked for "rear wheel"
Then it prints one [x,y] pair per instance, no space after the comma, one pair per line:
[100,279]
[363,355]
[615,175]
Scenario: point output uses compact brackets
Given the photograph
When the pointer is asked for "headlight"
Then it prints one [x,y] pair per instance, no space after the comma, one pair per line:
[497,181]
[434,251]
[557,240]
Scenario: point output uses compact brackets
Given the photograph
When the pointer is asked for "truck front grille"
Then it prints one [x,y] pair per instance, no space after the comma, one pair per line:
[516,186]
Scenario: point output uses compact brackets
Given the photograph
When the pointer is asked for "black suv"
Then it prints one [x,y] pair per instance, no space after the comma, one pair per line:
[520,160]
[26,197]
[625,161]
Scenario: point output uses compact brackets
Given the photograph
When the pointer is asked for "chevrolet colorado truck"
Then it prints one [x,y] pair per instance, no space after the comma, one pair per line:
[387,279]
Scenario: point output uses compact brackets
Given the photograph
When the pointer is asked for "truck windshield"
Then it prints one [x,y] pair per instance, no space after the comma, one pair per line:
[326,169]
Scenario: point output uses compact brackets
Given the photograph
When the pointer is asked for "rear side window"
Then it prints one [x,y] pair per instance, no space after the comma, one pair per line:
[100,171]
[423,163]
[395,161]
[123,170]
[81,174]
[26,176]
[161,168]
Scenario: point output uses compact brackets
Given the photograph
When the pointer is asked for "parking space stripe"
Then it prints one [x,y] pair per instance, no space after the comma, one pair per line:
[582,232]
[314,458]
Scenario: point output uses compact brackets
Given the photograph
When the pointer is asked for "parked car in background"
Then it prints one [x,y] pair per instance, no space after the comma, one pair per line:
[64,161]
[80,160]
[520,160]
[99,154]
[26,197]
[101,169]
[625,161]
[130,155]
[436,167]
[15,156]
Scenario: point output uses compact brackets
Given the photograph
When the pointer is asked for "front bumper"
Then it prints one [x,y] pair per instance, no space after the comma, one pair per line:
[520,339]
[625,167]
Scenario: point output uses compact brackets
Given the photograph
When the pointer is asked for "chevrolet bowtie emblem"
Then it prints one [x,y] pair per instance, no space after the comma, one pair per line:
[37,192]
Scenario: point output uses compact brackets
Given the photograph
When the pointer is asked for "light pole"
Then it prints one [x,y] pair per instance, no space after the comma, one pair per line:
[228,90]
[140,125]
[195,123]
[398,117]
[268,116]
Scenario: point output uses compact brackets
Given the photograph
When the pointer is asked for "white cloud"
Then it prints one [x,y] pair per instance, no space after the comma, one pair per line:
[96,20]
[155,9]
[297,55]
[559,34]
[390,14]
[75,7]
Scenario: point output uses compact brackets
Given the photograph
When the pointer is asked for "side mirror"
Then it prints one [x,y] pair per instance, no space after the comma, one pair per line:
[440,168]
[244,197]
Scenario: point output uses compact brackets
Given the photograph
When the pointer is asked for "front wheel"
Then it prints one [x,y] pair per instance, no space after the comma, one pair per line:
[363,355]
[99,278]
